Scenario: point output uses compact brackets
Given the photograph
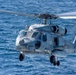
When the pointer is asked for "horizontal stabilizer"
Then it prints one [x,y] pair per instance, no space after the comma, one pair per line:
[60,53]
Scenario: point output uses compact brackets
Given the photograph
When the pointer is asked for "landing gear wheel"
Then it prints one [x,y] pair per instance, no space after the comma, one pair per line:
[58,63]
[54,63]
[21,57]
[52,58]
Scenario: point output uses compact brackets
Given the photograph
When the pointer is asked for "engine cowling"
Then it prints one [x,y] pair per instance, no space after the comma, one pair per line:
[59,30]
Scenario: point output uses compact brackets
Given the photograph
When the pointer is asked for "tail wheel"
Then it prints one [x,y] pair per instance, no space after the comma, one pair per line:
[21,57]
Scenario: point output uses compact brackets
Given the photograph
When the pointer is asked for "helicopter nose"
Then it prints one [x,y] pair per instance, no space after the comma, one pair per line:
[22,43]
[26,44]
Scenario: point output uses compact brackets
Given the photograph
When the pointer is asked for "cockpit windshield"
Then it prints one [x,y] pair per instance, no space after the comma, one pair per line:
[22,33]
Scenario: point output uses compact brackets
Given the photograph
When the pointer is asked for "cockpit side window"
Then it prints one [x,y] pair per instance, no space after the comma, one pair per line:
[44,38]
[34,34]
[37,35]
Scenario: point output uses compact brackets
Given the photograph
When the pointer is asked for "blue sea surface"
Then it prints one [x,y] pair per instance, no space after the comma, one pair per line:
[11,24]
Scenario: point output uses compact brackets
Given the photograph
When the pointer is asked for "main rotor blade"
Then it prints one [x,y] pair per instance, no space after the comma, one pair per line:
[17,13]
[41,16]
[68,15]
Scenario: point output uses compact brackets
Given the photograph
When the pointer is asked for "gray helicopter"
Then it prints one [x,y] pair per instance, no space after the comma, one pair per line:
[44,38]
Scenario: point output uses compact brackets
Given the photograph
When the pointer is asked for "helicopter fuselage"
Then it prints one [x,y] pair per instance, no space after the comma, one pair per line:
[44,39]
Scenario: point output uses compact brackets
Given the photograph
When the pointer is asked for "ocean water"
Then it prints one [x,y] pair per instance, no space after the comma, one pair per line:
[10,25]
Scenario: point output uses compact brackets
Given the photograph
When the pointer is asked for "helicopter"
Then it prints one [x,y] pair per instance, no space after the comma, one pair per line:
[44,38]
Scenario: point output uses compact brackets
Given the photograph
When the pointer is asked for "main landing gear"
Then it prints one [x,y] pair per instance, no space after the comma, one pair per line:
[54,61]
[21,57]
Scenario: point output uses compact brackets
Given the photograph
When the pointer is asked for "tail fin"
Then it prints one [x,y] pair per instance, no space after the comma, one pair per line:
[74,35]
[74,42]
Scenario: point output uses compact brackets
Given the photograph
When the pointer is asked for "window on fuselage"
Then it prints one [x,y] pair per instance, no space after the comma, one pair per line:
[44,38]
